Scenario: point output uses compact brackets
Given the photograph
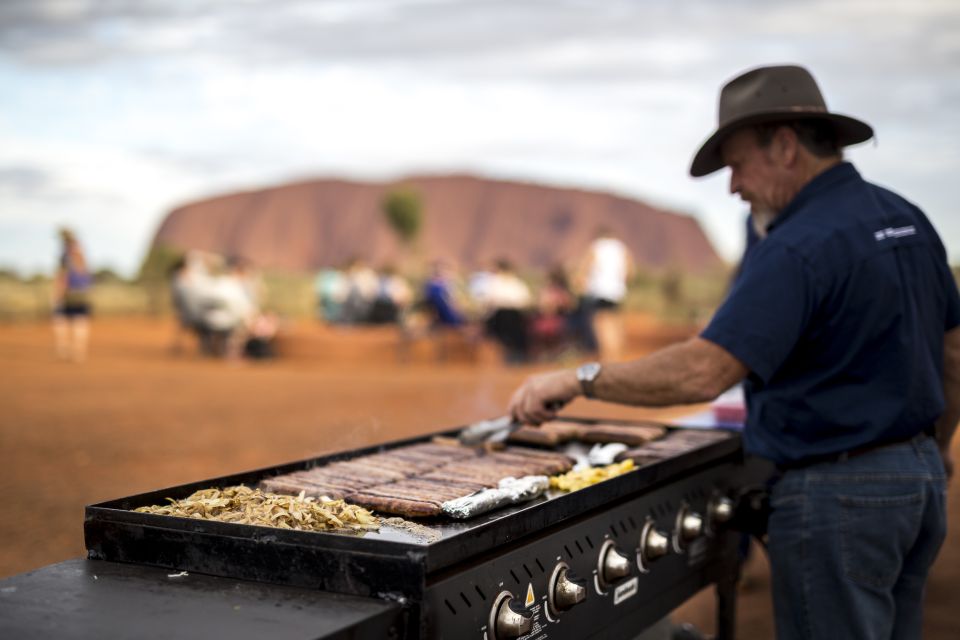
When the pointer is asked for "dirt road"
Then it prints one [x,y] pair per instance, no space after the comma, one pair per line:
[135,418]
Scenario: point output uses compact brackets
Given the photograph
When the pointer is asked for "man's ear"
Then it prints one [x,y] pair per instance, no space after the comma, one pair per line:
[785,146]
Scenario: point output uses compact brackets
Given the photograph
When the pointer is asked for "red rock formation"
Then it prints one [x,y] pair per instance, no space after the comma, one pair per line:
[466,219]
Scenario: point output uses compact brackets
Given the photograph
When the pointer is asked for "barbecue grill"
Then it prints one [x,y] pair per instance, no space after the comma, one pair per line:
[602,562]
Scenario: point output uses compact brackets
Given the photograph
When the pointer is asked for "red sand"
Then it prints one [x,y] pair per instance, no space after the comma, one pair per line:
[135,418]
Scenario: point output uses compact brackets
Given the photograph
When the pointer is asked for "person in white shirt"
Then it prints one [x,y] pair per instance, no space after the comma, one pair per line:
[362,287]
[507,299]
[607,267]
[229,310]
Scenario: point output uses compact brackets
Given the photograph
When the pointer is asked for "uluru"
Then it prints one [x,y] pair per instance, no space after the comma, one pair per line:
[468,220]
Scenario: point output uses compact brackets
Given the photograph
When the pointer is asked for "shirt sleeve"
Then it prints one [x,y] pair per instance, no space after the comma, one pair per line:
[767,310]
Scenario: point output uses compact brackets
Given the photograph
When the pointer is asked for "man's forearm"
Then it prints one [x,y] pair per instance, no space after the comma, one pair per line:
[693,371]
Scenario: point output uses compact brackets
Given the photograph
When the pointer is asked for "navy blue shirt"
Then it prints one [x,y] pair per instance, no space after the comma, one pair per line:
[840,314]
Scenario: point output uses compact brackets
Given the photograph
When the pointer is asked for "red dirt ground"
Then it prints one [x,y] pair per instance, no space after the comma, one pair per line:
[135,418]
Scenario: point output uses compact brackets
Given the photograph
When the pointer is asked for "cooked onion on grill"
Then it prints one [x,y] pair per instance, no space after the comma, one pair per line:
[243,505]
[575,480]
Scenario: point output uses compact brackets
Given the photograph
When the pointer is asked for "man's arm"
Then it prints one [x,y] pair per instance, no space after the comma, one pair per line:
[693,371]
[947,423]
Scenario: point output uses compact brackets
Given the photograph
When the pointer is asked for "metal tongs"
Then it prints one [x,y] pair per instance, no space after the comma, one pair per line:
[495,430]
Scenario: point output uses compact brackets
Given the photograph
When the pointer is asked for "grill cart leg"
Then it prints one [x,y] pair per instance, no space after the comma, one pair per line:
[727,604]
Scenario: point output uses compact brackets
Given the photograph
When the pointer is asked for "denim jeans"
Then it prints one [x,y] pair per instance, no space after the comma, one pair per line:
[851,542]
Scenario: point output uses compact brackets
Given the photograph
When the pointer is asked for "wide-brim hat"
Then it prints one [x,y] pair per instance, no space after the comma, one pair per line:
[771,94]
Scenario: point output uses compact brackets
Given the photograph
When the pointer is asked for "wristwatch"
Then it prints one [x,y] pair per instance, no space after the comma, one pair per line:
[587,375]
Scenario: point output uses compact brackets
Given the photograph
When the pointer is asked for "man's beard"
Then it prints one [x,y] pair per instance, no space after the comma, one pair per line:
[761,218]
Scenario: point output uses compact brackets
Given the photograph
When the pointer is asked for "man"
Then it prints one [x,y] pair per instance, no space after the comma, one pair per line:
[843,326]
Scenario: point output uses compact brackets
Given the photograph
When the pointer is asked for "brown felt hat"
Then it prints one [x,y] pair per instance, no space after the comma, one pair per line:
[769,94]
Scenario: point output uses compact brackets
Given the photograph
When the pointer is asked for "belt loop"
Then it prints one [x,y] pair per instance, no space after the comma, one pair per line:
[917,442]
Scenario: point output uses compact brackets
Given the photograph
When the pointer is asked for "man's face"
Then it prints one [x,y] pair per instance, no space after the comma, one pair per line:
[757,173]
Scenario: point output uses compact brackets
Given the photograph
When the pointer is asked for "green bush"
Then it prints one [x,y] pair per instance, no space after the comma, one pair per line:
[404,213]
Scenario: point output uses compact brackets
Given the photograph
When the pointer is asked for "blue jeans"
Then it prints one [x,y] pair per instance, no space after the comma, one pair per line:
[851,543]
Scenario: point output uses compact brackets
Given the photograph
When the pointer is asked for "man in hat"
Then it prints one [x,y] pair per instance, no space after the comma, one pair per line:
[843,327]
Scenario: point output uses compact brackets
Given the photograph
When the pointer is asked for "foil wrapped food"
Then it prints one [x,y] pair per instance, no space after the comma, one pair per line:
[508,491]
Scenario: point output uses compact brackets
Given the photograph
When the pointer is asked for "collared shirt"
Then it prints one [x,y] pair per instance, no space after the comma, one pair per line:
[840,314]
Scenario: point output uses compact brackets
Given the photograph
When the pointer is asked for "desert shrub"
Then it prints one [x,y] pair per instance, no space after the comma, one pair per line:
[404,213]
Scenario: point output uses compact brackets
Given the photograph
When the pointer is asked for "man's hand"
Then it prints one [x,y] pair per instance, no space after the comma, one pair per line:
[947,462]
[536,400]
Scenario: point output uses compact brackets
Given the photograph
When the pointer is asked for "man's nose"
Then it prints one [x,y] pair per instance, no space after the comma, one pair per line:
[734,183]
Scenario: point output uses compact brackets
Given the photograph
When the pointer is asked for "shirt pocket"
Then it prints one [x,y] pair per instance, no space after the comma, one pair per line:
[876,534]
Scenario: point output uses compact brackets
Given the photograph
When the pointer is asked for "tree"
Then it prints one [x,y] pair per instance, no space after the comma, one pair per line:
[404,214]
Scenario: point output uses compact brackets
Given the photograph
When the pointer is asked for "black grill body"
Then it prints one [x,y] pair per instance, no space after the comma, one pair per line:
[447,588]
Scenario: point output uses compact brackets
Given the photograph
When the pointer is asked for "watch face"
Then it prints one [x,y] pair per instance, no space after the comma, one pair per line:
[588,372]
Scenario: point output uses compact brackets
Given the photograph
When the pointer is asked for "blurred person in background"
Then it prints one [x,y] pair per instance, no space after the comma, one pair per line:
[263,330]
[331,289]
[552,325]
[393,298]
[506,299]
[604,273]
[71,301]
[477,285]
[229,310]
[190,281]
[440,298]
[251,279]
[260,328]
[362,287]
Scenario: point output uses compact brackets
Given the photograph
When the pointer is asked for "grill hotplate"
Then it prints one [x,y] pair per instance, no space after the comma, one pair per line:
[387,563]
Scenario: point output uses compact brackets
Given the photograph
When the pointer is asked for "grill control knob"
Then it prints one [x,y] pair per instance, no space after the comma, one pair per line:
[508,618]
[653,545]
[689,526]
[566,590]
[613,564]
[720,510]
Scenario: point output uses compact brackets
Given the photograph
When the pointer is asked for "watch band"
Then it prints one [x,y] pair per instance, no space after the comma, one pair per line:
[587,375]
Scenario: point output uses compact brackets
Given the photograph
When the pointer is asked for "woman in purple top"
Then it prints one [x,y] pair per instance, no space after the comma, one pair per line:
[71,301]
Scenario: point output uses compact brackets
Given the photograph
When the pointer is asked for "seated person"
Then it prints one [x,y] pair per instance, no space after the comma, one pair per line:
[392,300]
[439,299]
[553,325]
[506,299]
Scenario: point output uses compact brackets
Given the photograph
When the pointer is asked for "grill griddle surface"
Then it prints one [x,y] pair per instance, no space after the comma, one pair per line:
[114,530]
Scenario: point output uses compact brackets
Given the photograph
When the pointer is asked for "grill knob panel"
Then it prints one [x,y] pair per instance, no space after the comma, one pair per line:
[720,510]
[654,544]
[566,591]
[508,618]
[613,565]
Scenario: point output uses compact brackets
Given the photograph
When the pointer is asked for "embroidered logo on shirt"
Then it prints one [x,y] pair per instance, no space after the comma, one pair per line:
[894,232]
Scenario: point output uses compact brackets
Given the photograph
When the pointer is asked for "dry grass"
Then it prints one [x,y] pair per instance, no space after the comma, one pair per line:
[670,295]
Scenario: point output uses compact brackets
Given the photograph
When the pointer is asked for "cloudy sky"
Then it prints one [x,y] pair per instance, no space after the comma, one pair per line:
[114,111]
